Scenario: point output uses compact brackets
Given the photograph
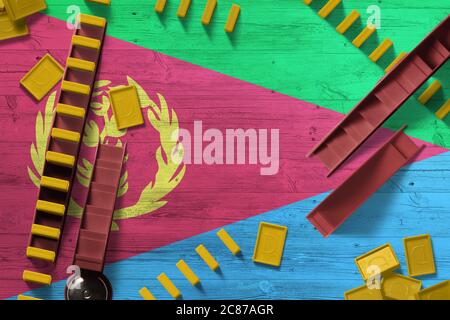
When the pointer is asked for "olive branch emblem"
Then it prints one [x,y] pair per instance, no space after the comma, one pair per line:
[164,121]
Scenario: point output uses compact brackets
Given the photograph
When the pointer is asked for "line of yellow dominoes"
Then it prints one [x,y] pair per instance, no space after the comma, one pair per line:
[207,13]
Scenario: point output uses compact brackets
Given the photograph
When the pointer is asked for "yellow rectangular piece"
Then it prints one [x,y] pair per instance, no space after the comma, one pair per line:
[363,293]
[307,2]
[429,92]
[399,287]
[228,241]
[146,294]
[183,8]
[419,255]
[382,258]
[270,244]
[326,9]
[66,135]
[169,286]
[380,50]
[42,77]
[2,6]
[11,29]
[105,2]
[232,18]
[440,291]
[207,257]
[61,159]
[45,231]
[444,110]
[36,277]
[70,86]
[50,207]
[160,5]
[86,42]
[42,254]
[18,9]
[55,184]
[348,22]
[126,106]
[70,111]
[209,11]
[22,297]
[92,20]
[400,57]
[363,36]
[187,272]
[79,64]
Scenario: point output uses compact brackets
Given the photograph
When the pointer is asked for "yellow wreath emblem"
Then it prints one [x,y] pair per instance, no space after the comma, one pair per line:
[165,122]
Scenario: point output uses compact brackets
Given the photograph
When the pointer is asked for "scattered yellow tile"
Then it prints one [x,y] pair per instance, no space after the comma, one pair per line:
[11,29]
[440,291]
[399,287]
[430,92]
[160,5]
[209,11]
[36,277]
[400,57]
[126,106]
[183,8]
[23,8]
[270,244]
[328,8]
[348,22]
[363,293]
[207,257]
[187,272]
[444,110]
[363,36]
[42,77]
[169,286]
[146,294]
[380,50]
[228,241]
[232,18]
[419,255]
[382,258]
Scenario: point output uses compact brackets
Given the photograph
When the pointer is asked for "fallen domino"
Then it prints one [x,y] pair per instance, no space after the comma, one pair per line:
[126,106]
[399,287]
[269,244]
[16,10]
[382,259]
[419,255]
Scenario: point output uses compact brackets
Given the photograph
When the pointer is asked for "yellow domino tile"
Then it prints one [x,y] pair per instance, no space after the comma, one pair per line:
[419,255]
[105,2]
[399,58]
[126,106]
[183,8]
[66,135]
[70,111]
[42,254]
[70,86]
[55,184]
[92,20]
[348,22]
[45,231]
[42,77]
[160,5]
[363,293]
[380,50]
[363,36]
[146,294]
[307,2]
[61,159]
[399,287]
[440,291]
[232,18]
[2,6]
[207,257]
[36,277]
[382,258]
[50,207]
[169,286]
[187,272]
[209,11]
[22,297]
[228,241]
[429,92]
[23,8]
[328,8]
[90,43]
[444,110]
[269,244]
[79,64]
[11,29]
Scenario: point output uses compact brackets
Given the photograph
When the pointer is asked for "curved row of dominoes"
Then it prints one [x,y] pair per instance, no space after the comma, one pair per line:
[207,13]
[64,144]
[364,35]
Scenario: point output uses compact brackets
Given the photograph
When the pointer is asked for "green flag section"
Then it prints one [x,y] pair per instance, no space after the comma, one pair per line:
[285,46]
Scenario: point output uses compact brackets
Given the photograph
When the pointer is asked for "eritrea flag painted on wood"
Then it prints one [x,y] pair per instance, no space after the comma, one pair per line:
[160,201]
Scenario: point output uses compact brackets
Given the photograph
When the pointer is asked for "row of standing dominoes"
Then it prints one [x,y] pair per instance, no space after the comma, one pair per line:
[365,34]
[207,13]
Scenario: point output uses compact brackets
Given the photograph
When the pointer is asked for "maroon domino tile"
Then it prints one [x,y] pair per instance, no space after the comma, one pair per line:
[354,191]
[387,96]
